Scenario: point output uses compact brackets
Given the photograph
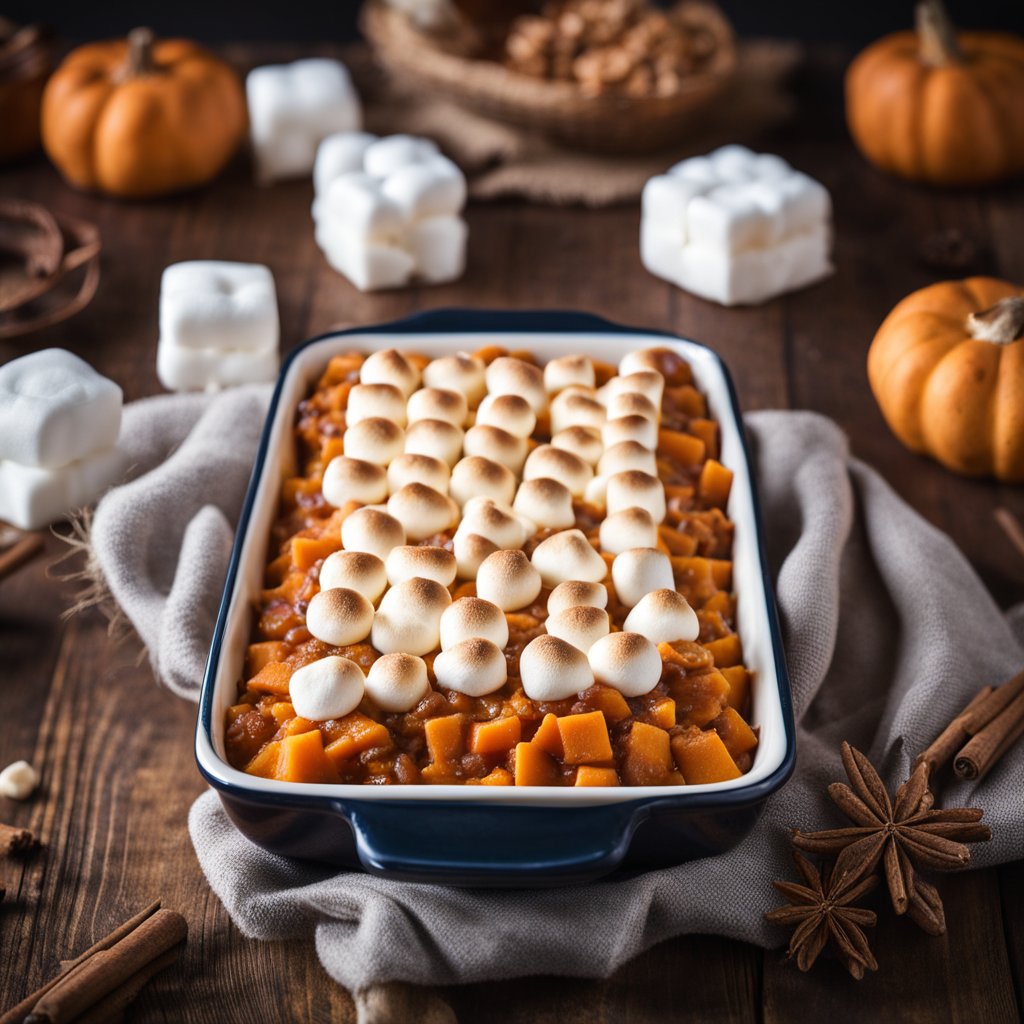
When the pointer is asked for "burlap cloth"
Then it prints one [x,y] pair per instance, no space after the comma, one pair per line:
[506,162]
[888,632]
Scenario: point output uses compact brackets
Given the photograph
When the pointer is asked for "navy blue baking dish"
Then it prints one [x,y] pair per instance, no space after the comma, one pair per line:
[497,836]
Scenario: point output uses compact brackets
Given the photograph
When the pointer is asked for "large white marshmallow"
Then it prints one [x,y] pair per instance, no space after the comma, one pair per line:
[736,227]
[218,325]
[388,210]
[292,108]
[55,409]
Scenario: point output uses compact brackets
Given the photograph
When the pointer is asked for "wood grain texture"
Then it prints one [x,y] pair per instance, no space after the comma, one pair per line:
[115,749]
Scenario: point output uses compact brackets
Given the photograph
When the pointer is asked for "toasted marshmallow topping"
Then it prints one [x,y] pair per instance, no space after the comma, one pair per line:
[641,429]
[347,479]
[437,438]
[422,511]
[632,403]
[368,529]
[330,687]
[628,528]
[462,372]
[648,383]
[663,615]
[565,371]
[368,401]
[658,359]
[510,412]
[577,592]
[628,662]
[509,376]
[508,580]
[470,551]
[390,367]
[567,555]
[597,491]
[546,502]
[474,667]
[581,626]
[473,616]
[418,469]
[584,442]
[498,523]
[397,682]
[354,570]
[498,445]
[636,488]
[576,408]
[438,404]
[374,440]
[410,560]
[477,477]
[638,571]
[558,464]
[409,617]
[552,669]
[627,455]
[339,616]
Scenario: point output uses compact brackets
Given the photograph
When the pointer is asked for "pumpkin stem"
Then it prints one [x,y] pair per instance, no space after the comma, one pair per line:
[936,35]
[1002,324]
[140,54]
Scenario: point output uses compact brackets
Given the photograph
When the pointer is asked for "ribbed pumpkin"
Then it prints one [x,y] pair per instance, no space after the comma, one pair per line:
[939,106]
[139,118]
[947,369]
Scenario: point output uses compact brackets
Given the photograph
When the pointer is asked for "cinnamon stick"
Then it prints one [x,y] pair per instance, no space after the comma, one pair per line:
[952,738]
[112,1007]
[109,969]
[17,840]
[986,710]
[17,1013]
[992,741]
[20,552]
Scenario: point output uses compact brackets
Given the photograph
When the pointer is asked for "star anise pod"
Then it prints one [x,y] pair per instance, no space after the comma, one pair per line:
[823,911]
[905,834]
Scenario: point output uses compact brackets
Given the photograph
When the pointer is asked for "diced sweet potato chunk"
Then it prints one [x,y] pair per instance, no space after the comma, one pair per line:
[547,736]
[739,687]
[702,757]
[353,734]
[727,652]
[444,738]
[496,736]
[308,550]
[678,544]
[707,431]
[737,736]
[265,762]
[699,696]
[498,777]
[715,483]
[663,714]
[258,655]
[648,760]
[303,759]
[721,572]
[282,710]
[585,738]
[588,775]
[688,655]
[684,448]
[609,702]
[533,767]
[272,678]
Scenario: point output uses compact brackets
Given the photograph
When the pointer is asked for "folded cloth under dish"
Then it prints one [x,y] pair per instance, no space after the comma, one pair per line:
[888,632]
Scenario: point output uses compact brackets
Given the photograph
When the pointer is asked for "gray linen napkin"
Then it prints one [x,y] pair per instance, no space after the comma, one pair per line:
[888,632]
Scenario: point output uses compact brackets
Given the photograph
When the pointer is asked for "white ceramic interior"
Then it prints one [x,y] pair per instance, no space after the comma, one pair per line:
[753,621]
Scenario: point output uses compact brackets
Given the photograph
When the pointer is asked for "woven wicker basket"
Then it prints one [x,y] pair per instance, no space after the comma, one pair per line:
[557,109]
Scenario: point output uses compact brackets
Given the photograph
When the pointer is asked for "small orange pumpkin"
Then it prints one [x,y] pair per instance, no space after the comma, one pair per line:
[939,106]
[139,118]
[947,369]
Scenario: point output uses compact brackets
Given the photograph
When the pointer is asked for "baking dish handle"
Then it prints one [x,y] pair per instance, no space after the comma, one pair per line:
[492,844]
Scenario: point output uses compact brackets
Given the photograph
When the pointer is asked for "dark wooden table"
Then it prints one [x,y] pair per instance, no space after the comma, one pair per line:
[115,749]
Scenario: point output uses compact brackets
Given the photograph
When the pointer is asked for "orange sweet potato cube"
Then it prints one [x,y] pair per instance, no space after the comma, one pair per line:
[331,448]
[736,734]
[265,762]
[353,734]
[648,760]
[533,767]
[588,775]
[701,757]
[496,736]
[727,651]
[721,572]
[444,738]
[663,714]
[272,678]
[308,550]
[547,736]
[609,702]
[699,696]
[739,687]
[585,738]
[707,431]
[683,448]
[498,777]
[303,759]
[258,655]
[715,483]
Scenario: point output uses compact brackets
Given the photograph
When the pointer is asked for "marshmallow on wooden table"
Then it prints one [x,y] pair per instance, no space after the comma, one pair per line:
[292,108]
[389,210]
[59,423]
[736,227]
[218,325]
